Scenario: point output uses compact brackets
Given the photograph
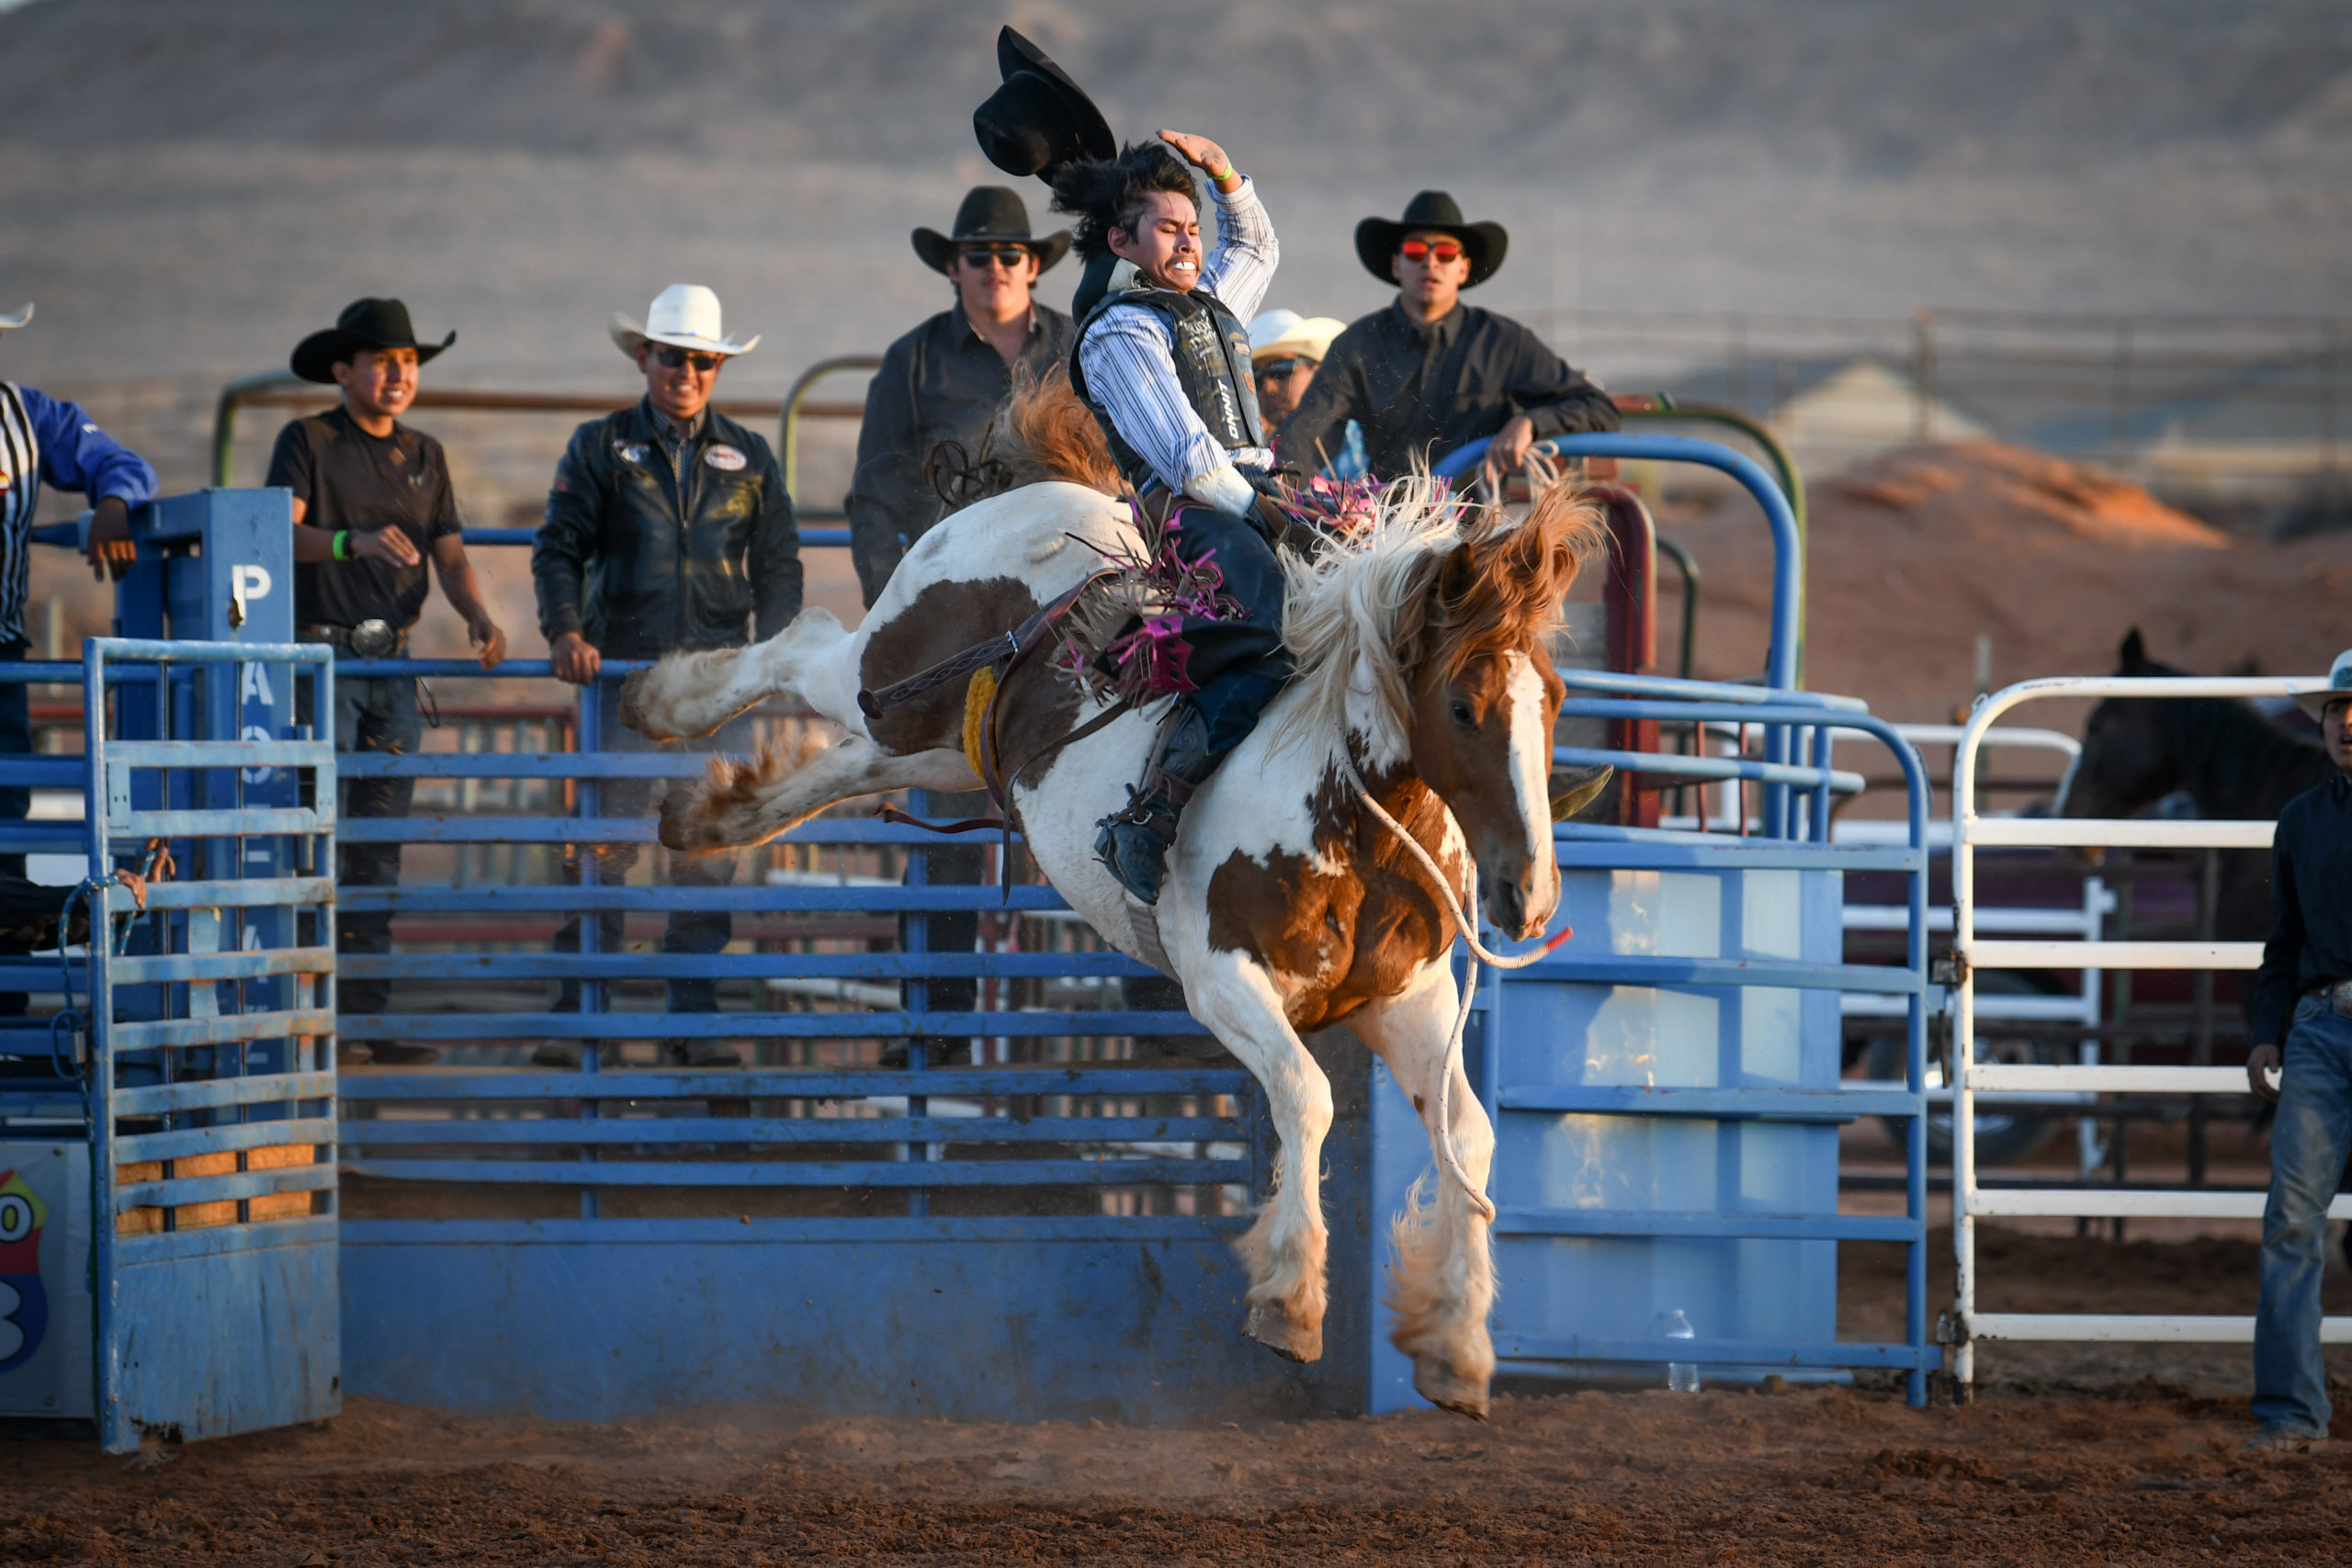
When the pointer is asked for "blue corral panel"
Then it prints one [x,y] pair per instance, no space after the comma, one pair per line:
[228,1330]
[935,1321]
[1614,1172]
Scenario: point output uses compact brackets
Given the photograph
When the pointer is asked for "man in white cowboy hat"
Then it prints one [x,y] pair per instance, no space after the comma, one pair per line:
[1430,374]
[1286,351]
[373,501]
[44,440]
[928,407]
[2301,1028]
[668,529]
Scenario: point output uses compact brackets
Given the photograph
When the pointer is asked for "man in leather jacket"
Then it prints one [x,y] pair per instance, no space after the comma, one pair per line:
[668,529]
[1164,366]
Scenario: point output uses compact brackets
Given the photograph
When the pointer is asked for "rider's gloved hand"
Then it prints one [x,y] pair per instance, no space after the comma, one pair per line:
[1225,488]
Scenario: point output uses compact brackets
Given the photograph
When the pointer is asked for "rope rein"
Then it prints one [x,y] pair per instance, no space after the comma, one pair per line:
[1466,924]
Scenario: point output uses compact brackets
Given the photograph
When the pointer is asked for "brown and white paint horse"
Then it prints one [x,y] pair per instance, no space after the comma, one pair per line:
[1288,908]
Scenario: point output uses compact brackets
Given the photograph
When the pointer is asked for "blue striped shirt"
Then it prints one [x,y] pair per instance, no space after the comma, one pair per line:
[1129,354]
[42,439]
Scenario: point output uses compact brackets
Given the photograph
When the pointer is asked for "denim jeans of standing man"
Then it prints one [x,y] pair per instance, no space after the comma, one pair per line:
[2307,1143]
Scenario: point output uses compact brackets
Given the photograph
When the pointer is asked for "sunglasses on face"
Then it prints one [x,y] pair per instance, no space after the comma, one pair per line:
[1009,256]
[1429,249]
[1276,369]
[678,358]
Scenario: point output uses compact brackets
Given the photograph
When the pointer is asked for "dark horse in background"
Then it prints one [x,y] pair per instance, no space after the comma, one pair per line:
[2233,762]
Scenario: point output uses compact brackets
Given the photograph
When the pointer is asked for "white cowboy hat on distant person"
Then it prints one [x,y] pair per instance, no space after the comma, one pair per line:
[1286,334]
[2339,688]
[9,323]
[685,315]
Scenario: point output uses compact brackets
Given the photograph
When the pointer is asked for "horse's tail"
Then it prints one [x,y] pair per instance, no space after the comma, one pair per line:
[1044,432]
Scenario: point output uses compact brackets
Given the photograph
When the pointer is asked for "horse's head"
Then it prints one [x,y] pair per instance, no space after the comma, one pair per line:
[2131,757]
[1481,696]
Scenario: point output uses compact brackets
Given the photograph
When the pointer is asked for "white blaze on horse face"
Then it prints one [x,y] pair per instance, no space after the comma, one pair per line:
[1530,777]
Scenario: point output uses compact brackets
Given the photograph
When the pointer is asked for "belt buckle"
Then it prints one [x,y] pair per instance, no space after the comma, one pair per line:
[2339,997]
[375,638]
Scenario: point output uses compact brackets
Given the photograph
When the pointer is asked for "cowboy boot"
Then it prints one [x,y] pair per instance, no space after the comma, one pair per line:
[1133,843]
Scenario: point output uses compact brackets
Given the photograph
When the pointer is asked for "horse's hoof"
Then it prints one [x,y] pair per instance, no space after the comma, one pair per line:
[632,700]
[1274,1328]
[1435,1382]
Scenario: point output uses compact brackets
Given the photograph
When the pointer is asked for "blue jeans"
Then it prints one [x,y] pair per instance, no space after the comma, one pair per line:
[2308,1142]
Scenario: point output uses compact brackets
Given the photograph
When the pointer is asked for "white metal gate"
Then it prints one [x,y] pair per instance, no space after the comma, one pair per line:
[1973,953]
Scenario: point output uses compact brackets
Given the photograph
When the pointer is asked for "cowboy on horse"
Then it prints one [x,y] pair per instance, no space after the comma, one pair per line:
[1164,365]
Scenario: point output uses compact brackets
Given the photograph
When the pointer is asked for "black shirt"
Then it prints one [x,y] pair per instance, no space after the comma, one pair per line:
[941,382]
[348,478]
[1419,392]
[2311,905]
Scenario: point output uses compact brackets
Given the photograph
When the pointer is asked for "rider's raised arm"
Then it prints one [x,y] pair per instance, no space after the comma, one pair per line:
[1243,269]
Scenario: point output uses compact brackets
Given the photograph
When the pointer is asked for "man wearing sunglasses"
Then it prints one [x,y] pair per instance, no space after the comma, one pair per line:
[928,407]
[668,529]
[1430,374]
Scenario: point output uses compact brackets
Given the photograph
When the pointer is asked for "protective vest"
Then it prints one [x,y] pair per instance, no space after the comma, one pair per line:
[1212,354]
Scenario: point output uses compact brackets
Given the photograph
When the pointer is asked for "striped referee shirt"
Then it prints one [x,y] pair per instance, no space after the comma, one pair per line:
[1129,354]
[42,439]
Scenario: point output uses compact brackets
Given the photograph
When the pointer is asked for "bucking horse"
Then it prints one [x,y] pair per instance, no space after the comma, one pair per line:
[1322,873]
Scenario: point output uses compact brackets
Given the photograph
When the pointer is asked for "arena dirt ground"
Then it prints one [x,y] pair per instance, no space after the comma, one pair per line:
[2110,1460]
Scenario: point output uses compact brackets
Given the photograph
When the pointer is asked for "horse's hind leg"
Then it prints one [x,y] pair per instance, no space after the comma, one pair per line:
[1441,1279]
[1284,1250]
[694,694]
[750,801]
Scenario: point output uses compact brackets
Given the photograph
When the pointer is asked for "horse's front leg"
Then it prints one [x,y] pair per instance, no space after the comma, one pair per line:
[1441,1279]
[1234,995]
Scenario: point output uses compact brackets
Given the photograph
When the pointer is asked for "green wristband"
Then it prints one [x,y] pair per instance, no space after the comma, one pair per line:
[343,545]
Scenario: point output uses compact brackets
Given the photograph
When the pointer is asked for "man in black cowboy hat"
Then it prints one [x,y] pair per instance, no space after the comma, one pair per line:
[927,413]
[940,385]
[372,500]
[1430,374]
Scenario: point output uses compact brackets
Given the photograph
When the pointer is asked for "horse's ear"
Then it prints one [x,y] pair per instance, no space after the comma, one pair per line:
[1457,576]
[2135,652]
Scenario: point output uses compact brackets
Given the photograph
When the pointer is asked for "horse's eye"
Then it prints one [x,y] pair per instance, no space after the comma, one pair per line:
[1464,716]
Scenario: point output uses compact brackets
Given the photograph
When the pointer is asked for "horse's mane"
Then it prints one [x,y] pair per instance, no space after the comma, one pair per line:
[1431,581]
[1043,432]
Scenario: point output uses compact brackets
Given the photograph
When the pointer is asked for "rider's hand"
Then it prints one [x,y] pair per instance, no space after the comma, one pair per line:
[2260,1060]
[385,544]
[110,550]
[576,658]
[1199,151]
[485,635]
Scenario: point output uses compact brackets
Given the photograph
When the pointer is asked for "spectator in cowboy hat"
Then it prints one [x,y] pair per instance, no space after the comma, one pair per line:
[2302,1002]
[928,407]
[44,440]
[1285,350]
[1430,374]
[668,530]
[927,416]
[372,500]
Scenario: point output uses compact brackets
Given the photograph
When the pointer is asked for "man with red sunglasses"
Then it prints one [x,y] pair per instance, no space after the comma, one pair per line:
[1430,374]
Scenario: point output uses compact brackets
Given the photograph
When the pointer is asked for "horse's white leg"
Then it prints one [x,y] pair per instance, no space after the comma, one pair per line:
[751,801]
[1234,995]
[1442,1283]
[694,694]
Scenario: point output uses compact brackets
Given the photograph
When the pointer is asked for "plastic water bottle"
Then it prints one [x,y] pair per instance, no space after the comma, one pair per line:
[1681,1376]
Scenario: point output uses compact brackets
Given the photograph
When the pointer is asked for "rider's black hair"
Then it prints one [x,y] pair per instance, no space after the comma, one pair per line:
[1104,194]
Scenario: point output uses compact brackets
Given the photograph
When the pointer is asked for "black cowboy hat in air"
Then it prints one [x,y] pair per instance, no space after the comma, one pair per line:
[1432,212]
[1038,119]
[990,213]
[364,324]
